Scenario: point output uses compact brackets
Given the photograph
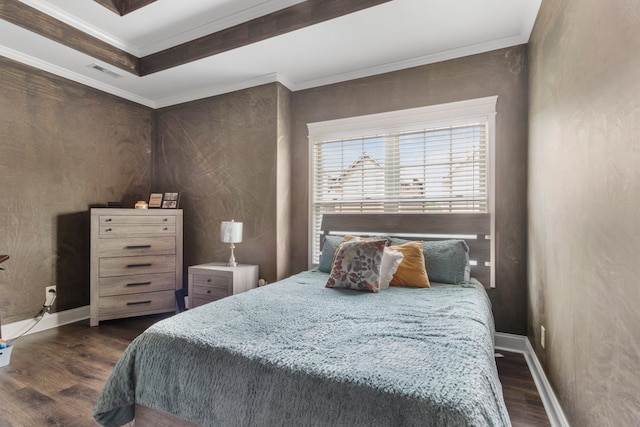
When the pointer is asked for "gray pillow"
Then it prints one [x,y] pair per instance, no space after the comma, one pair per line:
[331,243]
[446,261]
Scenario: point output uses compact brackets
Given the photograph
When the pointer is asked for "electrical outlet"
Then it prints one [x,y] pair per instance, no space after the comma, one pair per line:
[543,336]
[49,296]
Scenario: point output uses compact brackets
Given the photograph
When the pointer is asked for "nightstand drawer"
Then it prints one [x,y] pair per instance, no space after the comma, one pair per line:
[132,265]
[122,285]
[211,292]
[216,280]
[132,246]
[126,305]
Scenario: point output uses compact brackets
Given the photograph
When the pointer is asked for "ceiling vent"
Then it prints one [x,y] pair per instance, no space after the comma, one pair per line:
[105,71]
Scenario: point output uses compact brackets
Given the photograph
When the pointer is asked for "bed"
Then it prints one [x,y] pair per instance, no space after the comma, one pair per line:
[298,353]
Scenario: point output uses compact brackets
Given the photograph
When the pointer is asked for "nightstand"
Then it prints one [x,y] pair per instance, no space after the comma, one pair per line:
[216,280]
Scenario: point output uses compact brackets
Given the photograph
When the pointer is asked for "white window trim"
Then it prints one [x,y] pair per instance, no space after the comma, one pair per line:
[410,119]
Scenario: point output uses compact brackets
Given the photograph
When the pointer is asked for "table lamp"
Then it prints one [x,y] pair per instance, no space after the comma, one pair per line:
[231,232]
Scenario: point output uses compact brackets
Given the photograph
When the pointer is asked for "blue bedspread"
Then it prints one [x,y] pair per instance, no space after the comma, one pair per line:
[297,353]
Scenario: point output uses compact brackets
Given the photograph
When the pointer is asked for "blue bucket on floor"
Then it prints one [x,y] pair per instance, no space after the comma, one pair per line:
[5,354]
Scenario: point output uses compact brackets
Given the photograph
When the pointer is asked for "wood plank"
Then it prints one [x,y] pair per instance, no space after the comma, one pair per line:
[122,7]
[408,223]
[31,19]
[292,18]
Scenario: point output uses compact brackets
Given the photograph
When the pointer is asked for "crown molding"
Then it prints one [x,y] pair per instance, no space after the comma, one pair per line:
[235,18]
[81,25]
[222,89]
[216,25]
[70,75]
[445,55]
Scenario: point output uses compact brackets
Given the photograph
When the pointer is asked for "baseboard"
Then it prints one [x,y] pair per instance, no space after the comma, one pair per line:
[521,344]
[49,321]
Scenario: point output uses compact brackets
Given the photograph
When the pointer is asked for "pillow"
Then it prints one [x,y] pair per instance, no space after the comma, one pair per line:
[357,265]
[329,248]
[391,259]
[447,261]
[411,271]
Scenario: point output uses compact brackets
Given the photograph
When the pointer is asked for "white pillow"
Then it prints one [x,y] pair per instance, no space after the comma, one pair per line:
[391,259]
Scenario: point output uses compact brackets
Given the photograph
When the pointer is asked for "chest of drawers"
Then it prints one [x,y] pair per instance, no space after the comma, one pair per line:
[136,262]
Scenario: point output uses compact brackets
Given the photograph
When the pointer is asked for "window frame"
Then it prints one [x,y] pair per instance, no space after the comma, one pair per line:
[413,119]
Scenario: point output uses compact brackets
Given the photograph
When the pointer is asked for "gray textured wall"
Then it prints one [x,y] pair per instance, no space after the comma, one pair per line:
[229,157]
[584,228]
[503,73]
[64,147]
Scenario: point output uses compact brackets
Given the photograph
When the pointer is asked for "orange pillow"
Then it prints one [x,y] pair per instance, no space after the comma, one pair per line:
[411,272]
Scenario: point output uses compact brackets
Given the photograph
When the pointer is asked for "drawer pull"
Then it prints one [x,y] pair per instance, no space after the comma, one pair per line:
[108,229]
[139,302]
[139,265]
[208,291]
[138,247]
[107,220]
[138,284]
[165,219]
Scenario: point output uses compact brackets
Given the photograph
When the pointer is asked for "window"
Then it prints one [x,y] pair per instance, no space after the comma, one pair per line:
[435,159]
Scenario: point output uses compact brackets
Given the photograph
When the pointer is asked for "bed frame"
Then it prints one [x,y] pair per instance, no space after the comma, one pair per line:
[475,229]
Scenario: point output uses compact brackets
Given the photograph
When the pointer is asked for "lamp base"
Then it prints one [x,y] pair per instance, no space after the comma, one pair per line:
[232,259]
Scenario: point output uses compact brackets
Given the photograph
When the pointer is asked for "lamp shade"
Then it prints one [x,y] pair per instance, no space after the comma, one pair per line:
[231,232]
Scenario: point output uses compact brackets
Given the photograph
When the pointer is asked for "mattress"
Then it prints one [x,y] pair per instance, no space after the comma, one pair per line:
[297,353]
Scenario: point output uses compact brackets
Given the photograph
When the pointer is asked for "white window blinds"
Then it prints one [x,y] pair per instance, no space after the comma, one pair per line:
[441,167]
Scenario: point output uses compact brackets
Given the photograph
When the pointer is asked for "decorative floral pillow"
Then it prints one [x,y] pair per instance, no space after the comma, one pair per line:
[357,265]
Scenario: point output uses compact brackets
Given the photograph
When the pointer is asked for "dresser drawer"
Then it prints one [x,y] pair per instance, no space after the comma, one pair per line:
[120,229]
[122,285]
[131,246]
[135,304]
[134,265]
[136,219]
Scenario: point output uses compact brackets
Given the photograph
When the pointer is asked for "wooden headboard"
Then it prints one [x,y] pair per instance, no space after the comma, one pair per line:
[475,229]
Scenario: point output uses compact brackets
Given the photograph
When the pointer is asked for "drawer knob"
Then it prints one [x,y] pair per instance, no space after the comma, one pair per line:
[208,291]
[165,219]
[108,229]
[107,220]
[208,280]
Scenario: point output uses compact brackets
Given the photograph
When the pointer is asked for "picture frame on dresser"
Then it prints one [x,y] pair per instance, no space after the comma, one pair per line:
[155,200]
[170,200]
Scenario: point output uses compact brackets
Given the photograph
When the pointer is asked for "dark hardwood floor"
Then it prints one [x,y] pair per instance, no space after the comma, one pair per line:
[520,394]
[55,376]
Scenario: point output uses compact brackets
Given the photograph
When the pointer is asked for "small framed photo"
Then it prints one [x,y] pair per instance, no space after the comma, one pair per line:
[170,200]
[155,200]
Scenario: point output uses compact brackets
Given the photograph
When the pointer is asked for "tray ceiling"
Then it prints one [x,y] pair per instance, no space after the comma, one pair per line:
[163,52]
